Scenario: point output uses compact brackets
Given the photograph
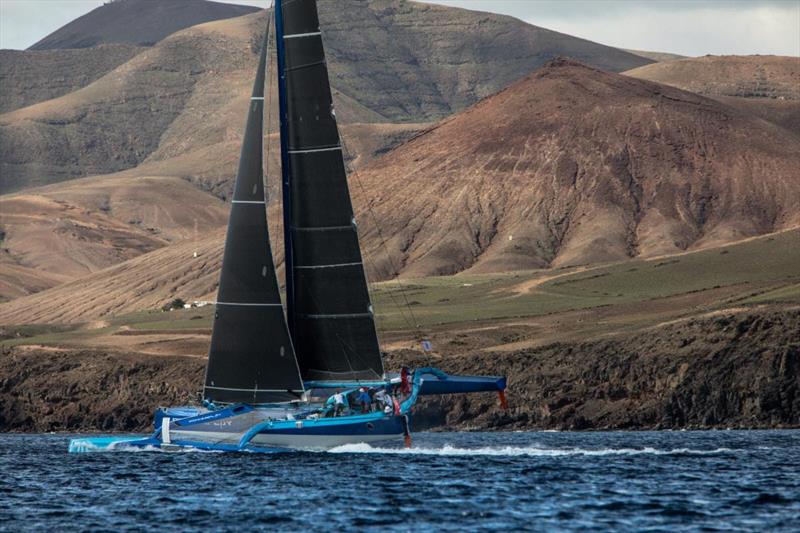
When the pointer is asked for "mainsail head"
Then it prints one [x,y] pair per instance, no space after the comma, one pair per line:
[251,359]
[328,303]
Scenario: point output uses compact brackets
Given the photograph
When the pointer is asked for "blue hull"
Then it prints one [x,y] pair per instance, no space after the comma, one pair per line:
[270,429]
[237,433]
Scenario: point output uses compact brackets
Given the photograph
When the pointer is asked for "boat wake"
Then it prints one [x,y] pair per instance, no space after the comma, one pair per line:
[529,451]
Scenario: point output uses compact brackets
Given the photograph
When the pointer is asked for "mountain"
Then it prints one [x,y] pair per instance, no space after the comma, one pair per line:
[573,165]
[30,77]
[765,86]
[656,56]
[138,22]
[569,166]
[392,61]
[49,237]
[743,76]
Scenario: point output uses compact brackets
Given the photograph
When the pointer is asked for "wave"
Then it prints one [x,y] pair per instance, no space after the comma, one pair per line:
[528,451]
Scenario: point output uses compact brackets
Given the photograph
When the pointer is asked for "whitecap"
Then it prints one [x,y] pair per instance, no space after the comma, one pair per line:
[529,451]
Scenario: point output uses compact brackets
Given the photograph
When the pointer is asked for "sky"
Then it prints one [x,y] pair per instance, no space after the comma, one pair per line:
[686,27]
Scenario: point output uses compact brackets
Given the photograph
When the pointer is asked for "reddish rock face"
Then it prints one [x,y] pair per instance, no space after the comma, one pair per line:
[572,165]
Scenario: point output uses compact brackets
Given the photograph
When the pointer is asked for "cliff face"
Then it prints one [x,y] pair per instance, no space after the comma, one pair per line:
[53,390]
[723,371]
[728,371]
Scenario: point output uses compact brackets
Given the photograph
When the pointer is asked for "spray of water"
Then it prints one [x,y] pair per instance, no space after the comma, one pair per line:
[530,451]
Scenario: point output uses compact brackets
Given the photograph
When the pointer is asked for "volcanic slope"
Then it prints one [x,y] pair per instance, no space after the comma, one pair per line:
[744,76]
[139,22]
[55,234]
[573,165]
[391,61]
[766,86]
[28,77]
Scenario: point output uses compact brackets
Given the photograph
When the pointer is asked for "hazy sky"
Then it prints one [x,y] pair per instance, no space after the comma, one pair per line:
[689,27]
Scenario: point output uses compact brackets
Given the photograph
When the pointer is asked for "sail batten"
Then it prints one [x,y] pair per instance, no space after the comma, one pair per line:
[251,359]
[331,318]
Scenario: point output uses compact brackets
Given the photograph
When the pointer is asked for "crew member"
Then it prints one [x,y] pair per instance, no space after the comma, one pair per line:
[364,399]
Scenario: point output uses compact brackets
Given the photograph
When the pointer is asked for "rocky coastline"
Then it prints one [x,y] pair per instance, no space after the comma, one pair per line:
[726,371]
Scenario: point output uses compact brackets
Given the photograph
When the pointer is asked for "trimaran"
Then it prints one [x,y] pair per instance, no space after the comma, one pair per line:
[292,380]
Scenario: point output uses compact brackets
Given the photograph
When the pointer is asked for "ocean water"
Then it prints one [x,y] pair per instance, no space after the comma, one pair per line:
[538,481]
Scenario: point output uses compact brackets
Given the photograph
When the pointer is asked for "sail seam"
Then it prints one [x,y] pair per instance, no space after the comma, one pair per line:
[322,228]
[298,35]
[305,65]
[253,390]
[327,266]
[341,315]
[313,150]
[248,202]
[250,304]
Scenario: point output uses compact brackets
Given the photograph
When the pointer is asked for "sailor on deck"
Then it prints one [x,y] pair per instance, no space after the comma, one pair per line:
[339,403]
[384,400]
[364,400]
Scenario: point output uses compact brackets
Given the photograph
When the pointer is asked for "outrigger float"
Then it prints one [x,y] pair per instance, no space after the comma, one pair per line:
[312,376]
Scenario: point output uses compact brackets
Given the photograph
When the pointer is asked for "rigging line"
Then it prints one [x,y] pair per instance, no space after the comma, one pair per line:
[414,324]
[347,358]
[354,173]
[346,348]
[397,304]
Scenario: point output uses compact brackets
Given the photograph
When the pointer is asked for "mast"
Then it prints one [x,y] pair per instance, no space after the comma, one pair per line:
[329,308]
[288,255]
[251,359]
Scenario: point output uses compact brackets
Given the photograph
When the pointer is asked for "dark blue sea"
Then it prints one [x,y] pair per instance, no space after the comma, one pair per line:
[625,481]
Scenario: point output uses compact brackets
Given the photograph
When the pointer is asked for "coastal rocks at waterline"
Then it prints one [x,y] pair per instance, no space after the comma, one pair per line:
[729,370]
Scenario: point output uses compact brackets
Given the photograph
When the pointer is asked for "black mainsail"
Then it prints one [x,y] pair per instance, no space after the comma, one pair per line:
[328,303]
[251,359]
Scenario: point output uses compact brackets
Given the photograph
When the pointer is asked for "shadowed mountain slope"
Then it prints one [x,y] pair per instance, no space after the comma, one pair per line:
[29,77]
[391,61]
[139,22]
[573,165]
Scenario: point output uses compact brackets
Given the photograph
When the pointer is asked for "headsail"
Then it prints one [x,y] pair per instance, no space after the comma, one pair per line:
[251,358]
[327,298]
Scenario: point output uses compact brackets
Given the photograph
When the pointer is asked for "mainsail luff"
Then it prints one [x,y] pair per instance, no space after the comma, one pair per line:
[251,359]
[331,315]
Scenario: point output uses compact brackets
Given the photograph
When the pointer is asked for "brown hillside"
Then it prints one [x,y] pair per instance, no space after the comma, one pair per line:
[54,235]
[148,282]
[573,165]
[29,77]
[391,61]
[656,56]
[58,240]
[766,86]
[152,201]
[744,76]
[139,22]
